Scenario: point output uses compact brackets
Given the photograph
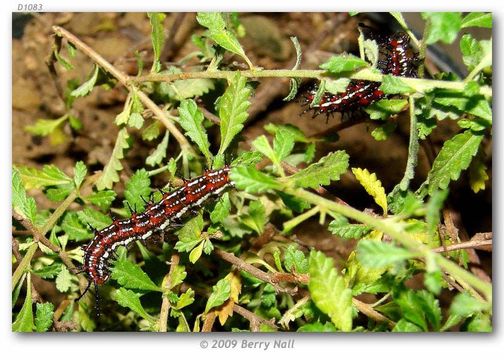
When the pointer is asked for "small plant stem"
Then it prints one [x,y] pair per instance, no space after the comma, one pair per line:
[254,320]
[39,237]
[125,81]
[291,224]
[482,64]
[367,309]
[402,237]
[165,305]
[90,181]
[209,321]
[473,244]
[23,265]
[419,85]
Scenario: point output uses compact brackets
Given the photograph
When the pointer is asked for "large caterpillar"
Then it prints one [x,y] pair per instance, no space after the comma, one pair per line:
[156,217]
[396,58]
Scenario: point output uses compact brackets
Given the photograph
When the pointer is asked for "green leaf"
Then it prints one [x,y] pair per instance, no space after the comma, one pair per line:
[44,316]
[110,172]
[94,218]
[48,271]
[255,217]
[24,319]
[480,323]
[220,293]
[465,305]
[477,19]
[74,228]
[411,308]
[382,109]
[138,186]
[476,105]
[295,260]
[50,175]
[433,281]
[189,88]
[377,254]
[406,327]
[103,199]
[262,145]
[217,32]
[248,158]
[22,204]
[328,290]
[178,276]
[44,127]
[157,156]
[327,169]
[373,186]
[455,156]
[343,63]
[196,253]
[478,174]
[232,107]
[151,132]
[294,131]
[185,299]
[190,234]
[135,120]
[63,280]
[283,143]
[86,87]
[342,228]
[221,209]
[131,276]
[394,85]
[443,26]
[474,51]
[317,327]
[252,180]
[80,172]
[433,209]
[430,307]
[191,120]
[131,300]
[157,37]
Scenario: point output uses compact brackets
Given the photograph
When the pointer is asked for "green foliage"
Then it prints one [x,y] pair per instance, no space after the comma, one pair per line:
[327,169]
[44,317]
[191,119]
[157,37]
[442,26]
[87,86]
[343,63]
[233,106]
[378,254]
[131,276]
[110,172]
[220,293]
[373,186]
[328,291]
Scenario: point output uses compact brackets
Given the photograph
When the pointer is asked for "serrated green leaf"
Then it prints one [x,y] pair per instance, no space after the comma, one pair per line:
[24,319]
[343,63]
[190,234]
[87,86]
[220,293]
[327,169]
[348,231]
[255,217]
[328,291]
[211,20]
[138,187]
[248,158]
[474,51]
[135,120]
[433,209]
[50,175]
[185,299]
[74,228]
[262,145]
[195,253]
[295,260]
[152,131]
[443,26]
[317,327]
[63,280]
[455,156]
[411,308]
[283,143]
[94,218]
[480,323]
[157,37]
[430,307]
[476,105]
[44,316]
[252,180]
[221,209]
[293,131]
[373,186]
[45,127]
[102,199]
[405,326]
[465,305]
[63,61]
[131,300]
[157,156]
[178,276]
[22,204]
[110,172]
[190,88]
[382,109]
[394,85]
[232,107]
[48,271]
[131,276]
[191,120]
[80,171]
[376,254]
[477,19]
[434,281]
[478,174]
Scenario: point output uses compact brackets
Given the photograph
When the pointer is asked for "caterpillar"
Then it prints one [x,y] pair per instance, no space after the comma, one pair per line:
[99,253]
[396,58]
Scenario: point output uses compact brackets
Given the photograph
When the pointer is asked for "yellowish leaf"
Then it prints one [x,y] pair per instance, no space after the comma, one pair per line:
[226,309]
[373,186]
[477,175]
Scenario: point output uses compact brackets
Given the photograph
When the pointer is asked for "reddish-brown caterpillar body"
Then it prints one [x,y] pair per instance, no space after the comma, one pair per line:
[156,217]
[396,58]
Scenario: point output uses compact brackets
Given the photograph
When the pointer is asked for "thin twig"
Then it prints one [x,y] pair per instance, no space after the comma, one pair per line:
[254,319]
[209,321]
[367,309]
[480,240]
[125,81]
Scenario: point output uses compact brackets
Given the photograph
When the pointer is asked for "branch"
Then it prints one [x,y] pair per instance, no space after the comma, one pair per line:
[125,81]
[480,240]
[254,319]
[165,306]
